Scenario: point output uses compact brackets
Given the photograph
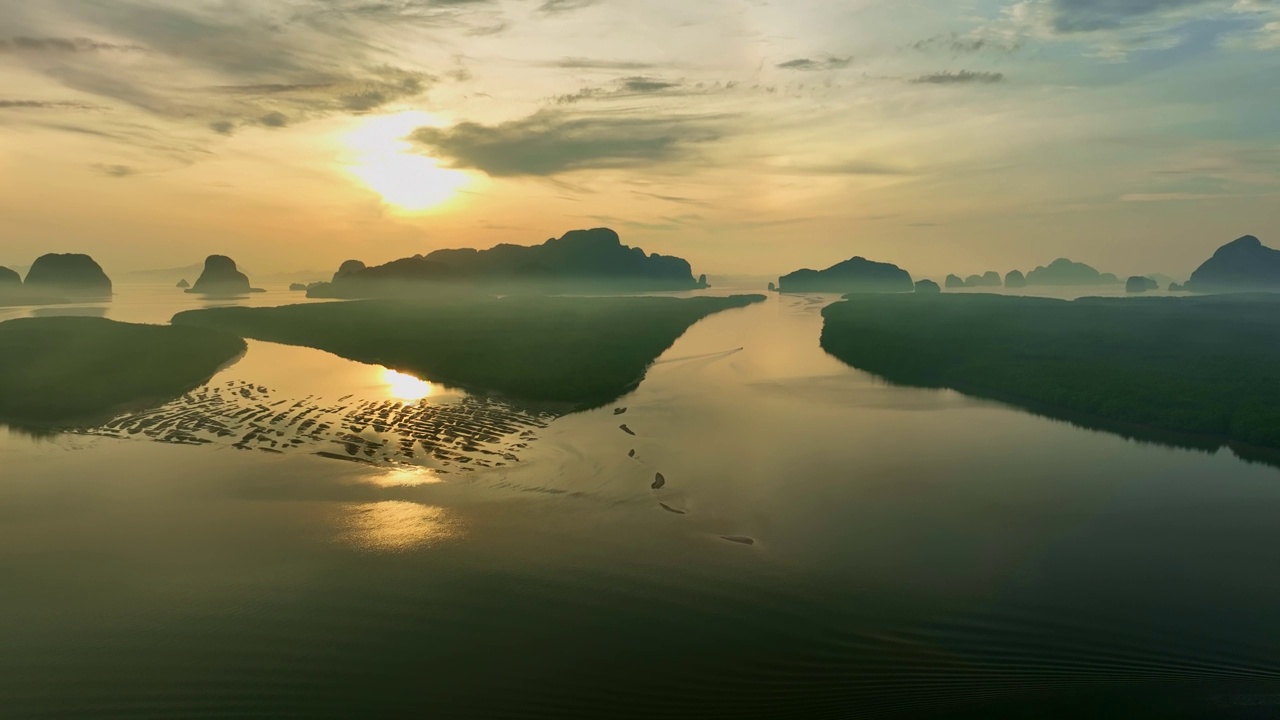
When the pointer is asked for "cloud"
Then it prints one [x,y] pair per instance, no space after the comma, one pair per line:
[957,44]
[116,171]
[45,105]
[1073,16]
[844,167]
[381,86]
[579,63]
[274,120]
[646,84]
[551,142]
[674,199]
[556,7]
[624,88]
[234,62]
[960,77]
[62,44]
[1165,197]
[830,62]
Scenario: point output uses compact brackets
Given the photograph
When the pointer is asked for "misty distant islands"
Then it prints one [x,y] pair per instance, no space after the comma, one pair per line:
[63,371]
[577,351]
[1197,365]
[592,261]
[860,275]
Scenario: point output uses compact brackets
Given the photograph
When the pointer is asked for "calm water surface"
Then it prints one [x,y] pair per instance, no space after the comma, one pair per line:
[913,553]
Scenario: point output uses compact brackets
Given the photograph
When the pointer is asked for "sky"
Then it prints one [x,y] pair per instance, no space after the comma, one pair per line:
[749,137]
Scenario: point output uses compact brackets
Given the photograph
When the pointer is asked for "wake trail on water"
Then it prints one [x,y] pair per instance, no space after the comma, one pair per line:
[722,353]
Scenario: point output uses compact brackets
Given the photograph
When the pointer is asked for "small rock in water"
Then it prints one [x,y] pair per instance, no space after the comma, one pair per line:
[632,453]
[626,429]
[740,539]
[619,411]
[658,481]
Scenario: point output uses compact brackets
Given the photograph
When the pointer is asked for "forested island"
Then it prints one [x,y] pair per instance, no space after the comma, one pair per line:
[55,278]
[588,261]
[59,371]
[579,351]
[1198,365]
[221,278]
[1244,264]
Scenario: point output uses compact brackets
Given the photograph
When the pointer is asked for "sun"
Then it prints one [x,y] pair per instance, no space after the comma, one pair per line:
[384,161]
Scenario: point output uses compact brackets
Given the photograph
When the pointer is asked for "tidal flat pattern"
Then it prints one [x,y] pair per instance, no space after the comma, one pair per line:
[473,432]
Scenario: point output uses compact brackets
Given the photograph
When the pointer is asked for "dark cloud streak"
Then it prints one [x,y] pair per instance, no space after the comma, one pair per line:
[116,171]
[549,142]
[558,7]
[64,45]
[956,44]
[578,63]
[45,105]
[829,62]
[961,77]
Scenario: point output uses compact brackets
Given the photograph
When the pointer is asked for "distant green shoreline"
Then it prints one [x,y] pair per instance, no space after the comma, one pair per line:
[577,351]
[66,371]
[1193,372]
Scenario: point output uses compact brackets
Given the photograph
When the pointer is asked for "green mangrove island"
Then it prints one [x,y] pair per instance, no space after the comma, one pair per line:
[584,351]
[60,371]
[1203,366]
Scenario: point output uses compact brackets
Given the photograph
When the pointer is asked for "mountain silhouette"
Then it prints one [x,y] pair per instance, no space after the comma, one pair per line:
[220,277]
[347,268]
[1242,264]
[1140,284]
[580,258]
[991,278]
[9,279]
[1065,272]
[857,274]
[71,274]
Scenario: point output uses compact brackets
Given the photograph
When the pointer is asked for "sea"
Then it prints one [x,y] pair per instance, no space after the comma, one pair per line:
[773,534]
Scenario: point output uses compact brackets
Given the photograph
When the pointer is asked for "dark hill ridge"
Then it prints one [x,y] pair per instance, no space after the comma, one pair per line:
[857,274]
[593,259]
[9,278]
[1242,264]
[70,274]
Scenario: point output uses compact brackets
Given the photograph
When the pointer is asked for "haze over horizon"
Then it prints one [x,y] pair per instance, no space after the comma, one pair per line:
[1134,135]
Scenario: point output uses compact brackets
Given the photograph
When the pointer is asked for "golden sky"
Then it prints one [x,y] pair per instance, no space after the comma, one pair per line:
[749,137]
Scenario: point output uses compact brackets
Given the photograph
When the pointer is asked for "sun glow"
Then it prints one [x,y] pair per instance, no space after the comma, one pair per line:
[406,387]
[384,160]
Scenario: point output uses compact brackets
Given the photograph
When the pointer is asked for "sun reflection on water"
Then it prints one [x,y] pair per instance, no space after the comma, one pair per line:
[407,388]
[397,526]
[407,477]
